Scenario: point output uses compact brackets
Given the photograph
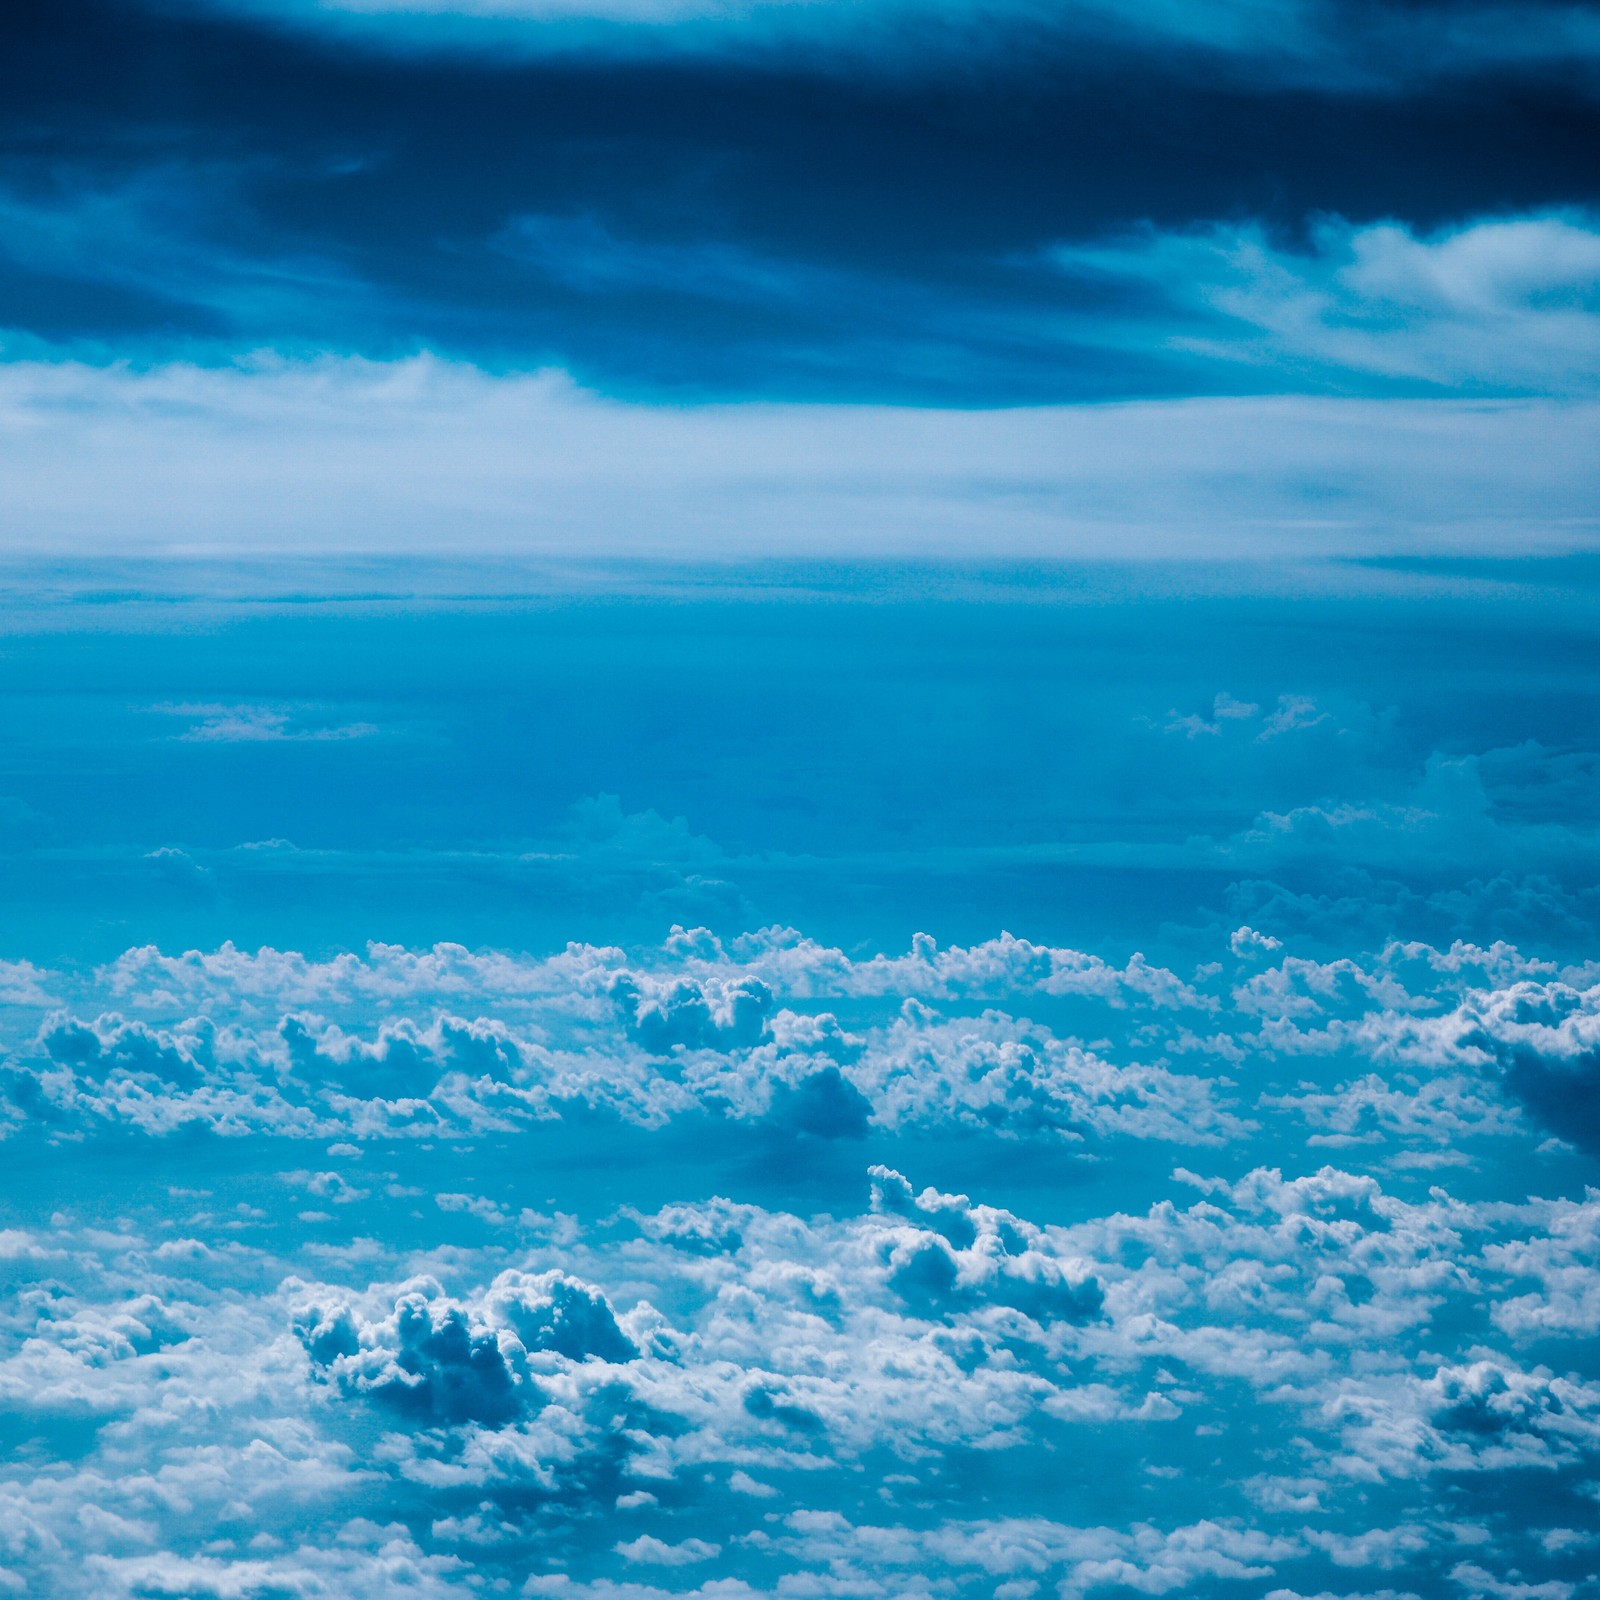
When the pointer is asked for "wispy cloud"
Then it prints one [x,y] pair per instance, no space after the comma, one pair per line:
[255,724]
[179,238]
[1322,41]
[583,253]
[180,259]
[1503,305]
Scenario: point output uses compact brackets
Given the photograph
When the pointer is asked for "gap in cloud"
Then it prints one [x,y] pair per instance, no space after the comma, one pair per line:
[1159,752]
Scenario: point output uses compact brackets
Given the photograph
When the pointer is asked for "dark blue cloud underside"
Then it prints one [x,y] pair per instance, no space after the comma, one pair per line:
[176,181]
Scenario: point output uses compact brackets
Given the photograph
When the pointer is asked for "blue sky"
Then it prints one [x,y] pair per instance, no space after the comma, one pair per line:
[799,800]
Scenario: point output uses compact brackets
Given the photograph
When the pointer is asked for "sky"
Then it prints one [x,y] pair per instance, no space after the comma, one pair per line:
[799,799]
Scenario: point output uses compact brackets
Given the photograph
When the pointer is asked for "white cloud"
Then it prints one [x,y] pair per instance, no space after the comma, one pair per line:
[250,724]
[430,1382]
[422,455]
[408,1438]
[655,1552]
[1500,306]
[1410,1050]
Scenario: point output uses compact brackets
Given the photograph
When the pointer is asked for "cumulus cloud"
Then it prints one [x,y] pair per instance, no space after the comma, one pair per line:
[1410,1048]
[1546,1039]
[976,1255]
[526,1422]
[437,1360]
[461,1314]
[551,1311]
[1481,1416]
[693,1028]
[681,1013]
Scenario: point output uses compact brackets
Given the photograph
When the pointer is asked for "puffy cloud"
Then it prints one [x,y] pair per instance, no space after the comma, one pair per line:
[1410,1047]
[551,1311]
[1480,1416]
[689,1029]
[823,1103]
[427,1359]
[271,1348]
[525,1424]
[656,1553]
[1246,941]
[1143,1558]
[112,1044]
[438,1360]
[1563,1257]
[1546,1038]
[684,1014]
[974,1255]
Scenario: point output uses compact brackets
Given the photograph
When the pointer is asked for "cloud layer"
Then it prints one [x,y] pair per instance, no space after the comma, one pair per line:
[1410,1044]
[922,204]
[1229,1230]
[426,456]
[398,1327]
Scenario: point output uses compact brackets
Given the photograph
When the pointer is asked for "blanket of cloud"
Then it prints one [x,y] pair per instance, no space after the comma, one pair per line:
[799,798]
[615,1272]
[493,1102]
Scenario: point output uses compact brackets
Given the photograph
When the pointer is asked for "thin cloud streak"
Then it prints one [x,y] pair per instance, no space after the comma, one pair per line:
[1303,42]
